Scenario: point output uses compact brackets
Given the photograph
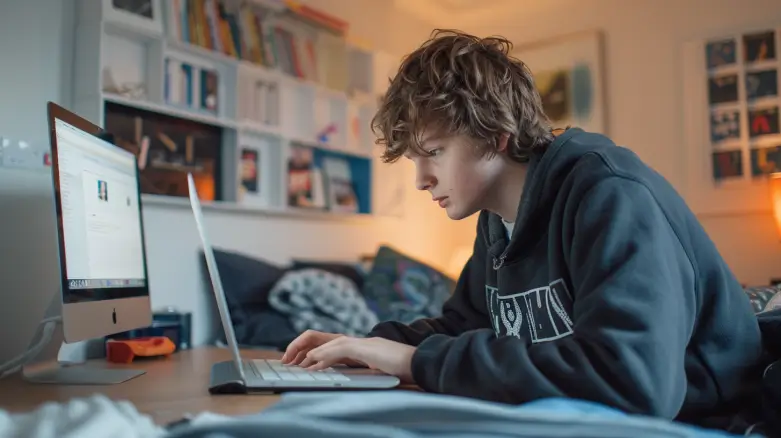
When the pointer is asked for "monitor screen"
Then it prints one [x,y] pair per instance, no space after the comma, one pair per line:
[99,219]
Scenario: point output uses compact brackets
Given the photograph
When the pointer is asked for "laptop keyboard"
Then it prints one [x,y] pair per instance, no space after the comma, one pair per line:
[275,370]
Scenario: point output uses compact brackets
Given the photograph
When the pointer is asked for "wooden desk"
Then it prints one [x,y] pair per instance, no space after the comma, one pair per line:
[170,388]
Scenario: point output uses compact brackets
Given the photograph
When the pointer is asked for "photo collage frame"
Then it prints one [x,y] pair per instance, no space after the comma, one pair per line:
[744,104]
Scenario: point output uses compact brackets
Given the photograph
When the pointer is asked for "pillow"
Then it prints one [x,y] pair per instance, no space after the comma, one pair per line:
[400,288]
[320,300]
[352,271]
[246,280]
[764,297]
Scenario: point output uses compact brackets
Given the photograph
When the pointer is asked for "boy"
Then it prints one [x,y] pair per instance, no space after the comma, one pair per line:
[590,277]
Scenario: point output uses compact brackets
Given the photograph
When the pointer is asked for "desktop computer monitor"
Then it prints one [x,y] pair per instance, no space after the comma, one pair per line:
[105,289]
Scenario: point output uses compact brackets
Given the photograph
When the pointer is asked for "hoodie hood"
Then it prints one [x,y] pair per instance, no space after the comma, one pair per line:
[545,177]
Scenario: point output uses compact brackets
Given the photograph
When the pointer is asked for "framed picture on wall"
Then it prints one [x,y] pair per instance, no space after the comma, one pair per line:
[569,74]
[732,119]
[138,14]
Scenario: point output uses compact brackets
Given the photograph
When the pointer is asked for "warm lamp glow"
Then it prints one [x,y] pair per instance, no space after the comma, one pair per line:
[775,194]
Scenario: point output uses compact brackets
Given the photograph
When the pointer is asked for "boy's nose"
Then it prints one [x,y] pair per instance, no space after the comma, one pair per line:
[424,180]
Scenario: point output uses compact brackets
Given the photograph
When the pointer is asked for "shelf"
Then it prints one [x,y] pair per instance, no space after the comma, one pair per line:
[170,111]
[232,207]
[259,128]
[254,128]
[195,96]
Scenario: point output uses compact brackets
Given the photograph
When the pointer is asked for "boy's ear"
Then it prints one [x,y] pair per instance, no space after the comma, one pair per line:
[501,144]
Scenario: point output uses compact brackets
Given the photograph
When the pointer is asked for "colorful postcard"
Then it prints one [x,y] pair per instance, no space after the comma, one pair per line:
[721,53]
[762,84]
[724,126]
[765,161]
[300,177]
[723,89]
[250,162]
[759,46]
[763,121]
[727,165]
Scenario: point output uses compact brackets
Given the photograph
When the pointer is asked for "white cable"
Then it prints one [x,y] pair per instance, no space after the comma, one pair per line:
[15,364]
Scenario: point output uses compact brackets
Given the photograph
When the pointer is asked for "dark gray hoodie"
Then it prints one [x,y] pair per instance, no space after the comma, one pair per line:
[609,290]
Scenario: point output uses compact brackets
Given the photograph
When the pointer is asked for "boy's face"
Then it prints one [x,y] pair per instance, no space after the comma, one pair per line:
[459,180]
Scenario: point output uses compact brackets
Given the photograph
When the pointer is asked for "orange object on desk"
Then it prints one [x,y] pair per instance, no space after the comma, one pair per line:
[125,350]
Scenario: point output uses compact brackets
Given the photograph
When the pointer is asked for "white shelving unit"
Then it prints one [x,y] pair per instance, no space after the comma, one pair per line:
[259,109]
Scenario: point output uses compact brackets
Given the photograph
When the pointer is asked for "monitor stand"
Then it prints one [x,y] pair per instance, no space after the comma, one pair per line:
[48,366]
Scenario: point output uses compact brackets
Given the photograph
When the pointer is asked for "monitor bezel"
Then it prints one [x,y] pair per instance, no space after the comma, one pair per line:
[108,311]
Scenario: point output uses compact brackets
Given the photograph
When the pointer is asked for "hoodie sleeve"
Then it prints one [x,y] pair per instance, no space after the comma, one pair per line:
[460,312]
[633,316]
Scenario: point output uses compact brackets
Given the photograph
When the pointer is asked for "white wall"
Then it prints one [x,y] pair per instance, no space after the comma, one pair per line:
[35,41]
[33,46]
[644,39]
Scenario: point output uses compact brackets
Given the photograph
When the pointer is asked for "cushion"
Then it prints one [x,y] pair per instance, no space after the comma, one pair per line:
[320,300]
[401,288]
[352,271]
[246,280]
[764,298]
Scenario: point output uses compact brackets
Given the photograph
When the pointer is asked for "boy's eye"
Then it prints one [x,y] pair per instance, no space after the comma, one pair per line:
[434,152]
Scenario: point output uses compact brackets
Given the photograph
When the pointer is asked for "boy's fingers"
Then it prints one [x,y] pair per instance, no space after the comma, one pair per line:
[299,358]
[297,345]
[307,362]
[318,366]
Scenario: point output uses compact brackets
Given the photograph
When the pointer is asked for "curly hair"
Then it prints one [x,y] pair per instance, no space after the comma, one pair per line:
[460,84]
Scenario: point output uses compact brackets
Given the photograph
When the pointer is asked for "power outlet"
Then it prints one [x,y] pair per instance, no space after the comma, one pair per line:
[22,154]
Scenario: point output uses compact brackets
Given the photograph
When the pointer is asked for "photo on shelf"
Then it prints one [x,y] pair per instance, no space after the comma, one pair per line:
[250,163]
[300,177]
[763,121]
[727,164]
[759,46]
[765,161]
[723,89]
[167,149]
[721,53]
[761,84]
[724,126]
[341,196]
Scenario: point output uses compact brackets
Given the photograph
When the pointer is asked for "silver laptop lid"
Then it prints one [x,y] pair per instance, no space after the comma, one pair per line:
[214,274]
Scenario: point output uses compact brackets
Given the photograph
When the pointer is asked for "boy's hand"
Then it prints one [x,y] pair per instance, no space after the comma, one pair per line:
[377,353]
[297,350]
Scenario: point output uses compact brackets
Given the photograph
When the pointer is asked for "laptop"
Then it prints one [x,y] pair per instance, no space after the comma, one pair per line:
[269,376]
